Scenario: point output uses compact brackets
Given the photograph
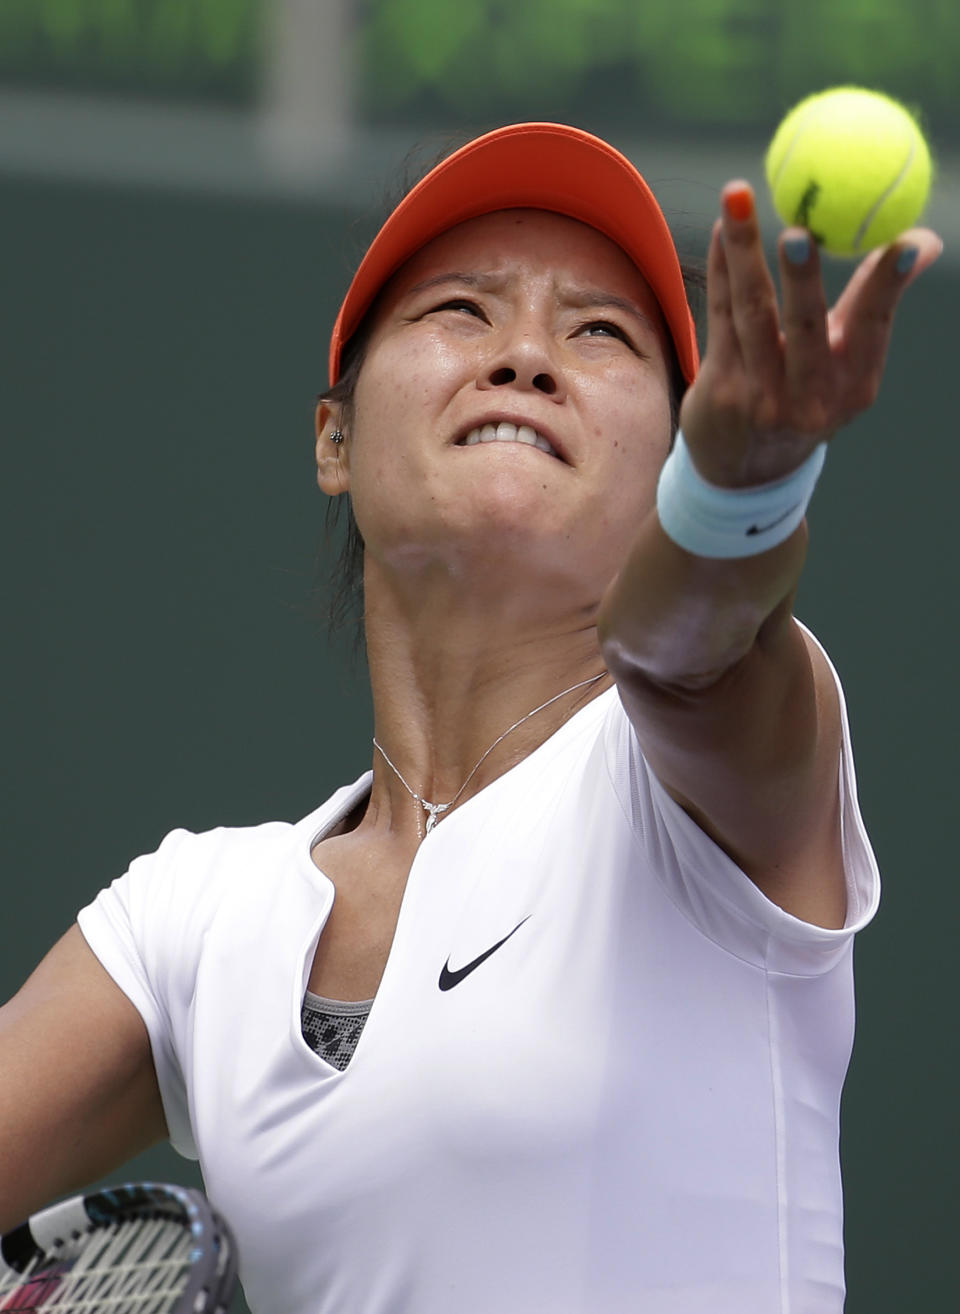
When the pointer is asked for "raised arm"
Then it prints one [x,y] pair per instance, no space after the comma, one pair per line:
[78,1091]
[736,710]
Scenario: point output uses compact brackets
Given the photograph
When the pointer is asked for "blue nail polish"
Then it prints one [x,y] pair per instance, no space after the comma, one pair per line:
[797,249]
[907,259]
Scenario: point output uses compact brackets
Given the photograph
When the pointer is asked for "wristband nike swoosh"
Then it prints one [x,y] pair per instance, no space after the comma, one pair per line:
[765,529]
[448,978]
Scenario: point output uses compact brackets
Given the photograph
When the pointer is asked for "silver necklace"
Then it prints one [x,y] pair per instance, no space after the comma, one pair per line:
[435,810]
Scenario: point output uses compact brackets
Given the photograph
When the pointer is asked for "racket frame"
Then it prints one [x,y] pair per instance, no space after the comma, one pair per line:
[53,1237]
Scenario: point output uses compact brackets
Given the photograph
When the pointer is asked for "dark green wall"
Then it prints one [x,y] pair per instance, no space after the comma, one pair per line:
[164,660]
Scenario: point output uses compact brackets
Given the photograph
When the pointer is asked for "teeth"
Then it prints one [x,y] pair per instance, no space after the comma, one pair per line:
[508,433]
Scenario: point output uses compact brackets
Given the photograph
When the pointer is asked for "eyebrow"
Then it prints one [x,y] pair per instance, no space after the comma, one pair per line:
[576,298]
[483,282]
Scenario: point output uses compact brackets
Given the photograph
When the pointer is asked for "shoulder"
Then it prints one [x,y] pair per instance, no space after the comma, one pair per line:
[196,865]
[230,877]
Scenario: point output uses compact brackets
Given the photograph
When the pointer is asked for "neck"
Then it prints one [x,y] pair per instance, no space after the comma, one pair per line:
[444,693]
[435,810]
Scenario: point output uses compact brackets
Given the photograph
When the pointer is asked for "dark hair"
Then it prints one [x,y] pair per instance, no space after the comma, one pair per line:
[345,572]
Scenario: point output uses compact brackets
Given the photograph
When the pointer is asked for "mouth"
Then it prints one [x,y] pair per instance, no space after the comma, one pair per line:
[506,431]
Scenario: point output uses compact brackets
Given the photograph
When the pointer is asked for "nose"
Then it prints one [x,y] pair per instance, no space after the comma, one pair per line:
[525,364]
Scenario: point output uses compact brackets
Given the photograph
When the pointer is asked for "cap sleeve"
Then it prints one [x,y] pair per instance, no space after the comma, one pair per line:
[713,892]
[146,931]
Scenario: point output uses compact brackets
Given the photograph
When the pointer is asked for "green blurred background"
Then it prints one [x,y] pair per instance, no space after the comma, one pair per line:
[185,188]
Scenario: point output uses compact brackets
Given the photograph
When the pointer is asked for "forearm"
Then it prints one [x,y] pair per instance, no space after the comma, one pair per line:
[682,620]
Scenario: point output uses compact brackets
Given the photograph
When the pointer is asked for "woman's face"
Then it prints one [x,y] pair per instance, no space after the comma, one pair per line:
[518,318]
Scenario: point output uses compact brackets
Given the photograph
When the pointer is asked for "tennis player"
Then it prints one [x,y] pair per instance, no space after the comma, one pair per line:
[550,1009]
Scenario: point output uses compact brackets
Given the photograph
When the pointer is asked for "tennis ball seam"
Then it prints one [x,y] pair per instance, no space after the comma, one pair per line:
[784,158]
[881,200]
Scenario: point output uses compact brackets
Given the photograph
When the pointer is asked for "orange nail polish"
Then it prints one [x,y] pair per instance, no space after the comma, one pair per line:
[738,202]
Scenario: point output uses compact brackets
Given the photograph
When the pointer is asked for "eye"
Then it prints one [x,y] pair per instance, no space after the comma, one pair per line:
[460,303]
[604,327]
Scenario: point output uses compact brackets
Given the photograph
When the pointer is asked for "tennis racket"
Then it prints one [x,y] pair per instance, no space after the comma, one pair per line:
[142,1248]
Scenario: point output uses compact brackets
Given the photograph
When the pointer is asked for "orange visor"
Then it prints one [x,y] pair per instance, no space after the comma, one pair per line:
[538,166]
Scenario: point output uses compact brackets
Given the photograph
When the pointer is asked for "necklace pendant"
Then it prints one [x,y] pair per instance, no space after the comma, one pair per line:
[434,809]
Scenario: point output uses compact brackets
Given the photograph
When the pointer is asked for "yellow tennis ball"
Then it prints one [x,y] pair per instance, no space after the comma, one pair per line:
[852,166]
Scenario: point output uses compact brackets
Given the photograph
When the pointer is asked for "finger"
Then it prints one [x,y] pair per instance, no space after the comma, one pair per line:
[722,346]
[929,246]
[862,320]
[809,368]
[756,316]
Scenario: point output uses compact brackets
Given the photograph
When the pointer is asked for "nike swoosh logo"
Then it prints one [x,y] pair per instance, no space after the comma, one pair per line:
[762,529]
[449,979]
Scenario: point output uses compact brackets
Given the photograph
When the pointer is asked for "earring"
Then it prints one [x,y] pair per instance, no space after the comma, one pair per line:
[336,437]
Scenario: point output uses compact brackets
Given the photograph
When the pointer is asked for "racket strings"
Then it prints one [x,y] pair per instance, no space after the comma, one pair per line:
[140,1266]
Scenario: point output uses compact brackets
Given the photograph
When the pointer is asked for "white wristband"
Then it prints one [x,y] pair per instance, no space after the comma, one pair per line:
[732,522]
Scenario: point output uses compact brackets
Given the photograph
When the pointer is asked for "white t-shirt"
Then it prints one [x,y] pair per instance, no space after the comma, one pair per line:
[631,1105]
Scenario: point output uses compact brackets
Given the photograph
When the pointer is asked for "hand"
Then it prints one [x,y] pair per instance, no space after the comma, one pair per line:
[772,386]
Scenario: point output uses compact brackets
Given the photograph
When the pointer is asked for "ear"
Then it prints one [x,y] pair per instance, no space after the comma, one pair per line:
[333,467]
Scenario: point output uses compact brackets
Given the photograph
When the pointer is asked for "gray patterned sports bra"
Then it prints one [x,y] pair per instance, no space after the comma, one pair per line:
[332,1027]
